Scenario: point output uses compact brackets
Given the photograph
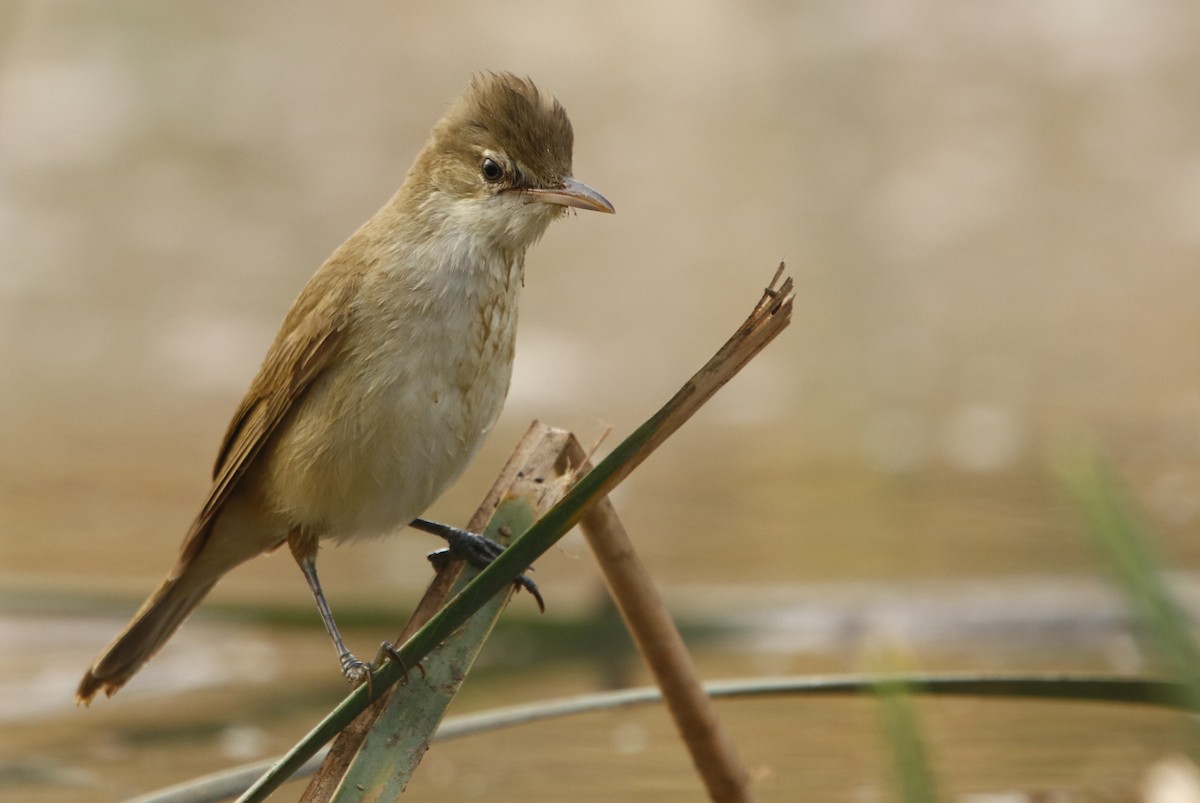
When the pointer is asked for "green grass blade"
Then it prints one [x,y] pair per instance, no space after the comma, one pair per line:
[903,732]
[1127,540]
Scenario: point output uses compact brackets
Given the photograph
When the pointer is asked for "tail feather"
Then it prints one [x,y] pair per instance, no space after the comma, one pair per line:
[149,629]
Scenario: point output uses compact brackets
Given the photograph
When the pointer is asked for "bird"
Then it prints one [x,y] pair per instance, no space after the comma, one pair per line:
[388,370]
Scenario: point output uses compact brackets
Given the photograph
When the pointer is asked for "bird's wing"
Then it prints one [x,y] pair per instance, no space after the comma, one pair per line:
[303,349]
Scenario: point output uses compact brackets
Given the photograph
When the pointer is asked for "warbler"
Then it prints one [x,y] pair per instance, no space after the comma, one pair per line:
[389,369]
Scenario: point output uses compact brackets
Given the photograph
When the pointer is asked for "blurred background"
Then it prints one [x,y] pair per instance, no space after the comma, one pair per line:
[992,212]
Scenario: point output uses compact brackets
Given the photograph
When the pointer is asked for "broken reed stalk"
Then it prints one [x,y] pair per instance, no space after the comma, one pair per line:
[769,317]
[662,647]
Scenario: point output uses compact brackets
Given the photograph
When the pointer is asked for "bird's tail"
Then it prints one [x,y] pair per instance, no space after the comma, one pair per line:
[149,629]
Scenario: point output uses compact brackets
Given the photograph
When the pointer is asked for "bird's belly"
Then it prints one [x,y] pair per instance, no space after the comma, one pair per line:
[388,453]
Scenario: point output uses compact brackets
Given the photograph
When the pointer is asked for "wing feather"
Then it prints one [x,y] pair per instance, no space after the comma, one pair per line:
[303,349]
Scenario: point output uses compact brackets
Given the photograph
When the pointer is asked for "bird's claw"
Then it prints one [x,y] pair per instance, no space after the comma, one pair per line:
[443,556]
[525,582]
[479,551]
[388,650]
[358,672]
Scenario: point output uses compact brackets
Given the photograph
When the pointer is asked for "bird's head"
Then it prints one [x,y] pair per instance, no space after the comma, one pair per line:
[499,164]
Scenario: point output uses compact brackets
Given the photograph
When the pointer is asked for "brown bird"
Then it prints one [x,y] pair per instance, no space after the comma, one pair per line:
[389,369]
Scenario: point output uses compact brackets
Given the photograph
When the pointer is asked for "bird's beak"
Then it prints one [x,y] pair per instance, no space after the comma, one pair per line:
[572,193]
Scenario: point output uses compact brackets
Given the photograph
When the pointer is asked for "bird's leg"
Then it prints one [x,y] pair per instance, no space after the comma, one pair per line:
[474,549]
[304,549]
[355,670]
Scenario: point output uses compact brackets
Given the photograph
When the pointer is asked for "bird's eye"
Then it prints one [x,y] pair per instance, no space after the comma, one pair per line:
[491,170]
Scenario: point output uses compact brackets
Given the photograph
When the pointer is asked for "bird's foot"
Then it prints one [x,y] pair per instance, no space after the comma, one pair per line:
[358,672]
[474,549]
